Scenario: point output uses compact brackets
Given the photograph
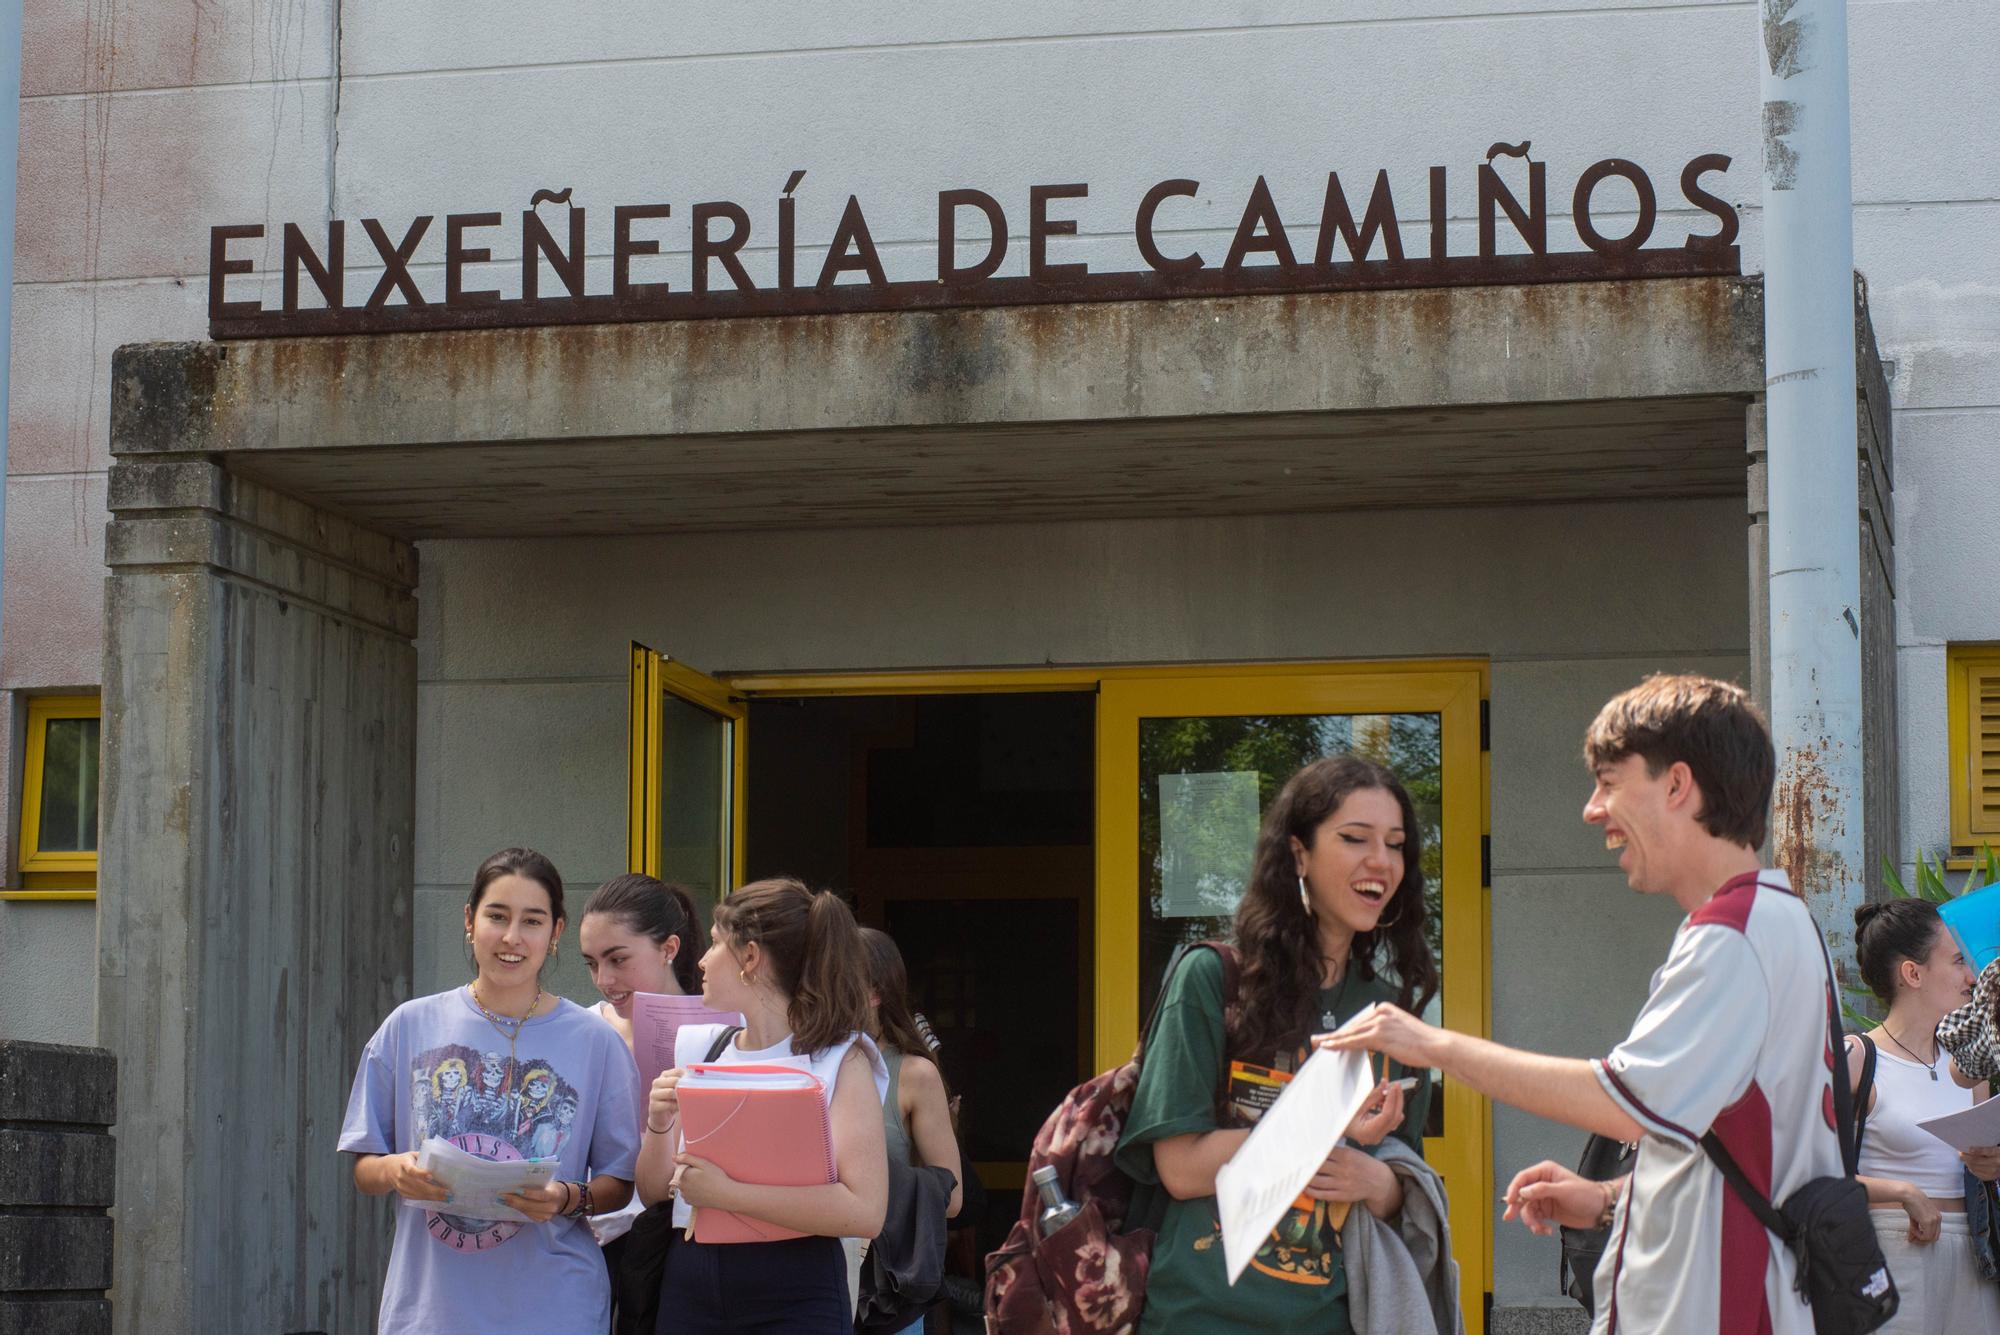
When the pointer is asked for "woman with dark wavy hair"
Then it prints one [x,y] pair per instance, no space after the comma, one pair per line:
[1332,921]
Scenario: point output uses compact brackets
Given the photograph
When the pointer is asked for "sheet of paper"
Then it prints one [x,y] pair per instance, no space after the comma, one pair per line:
[1977,1126]
[1208,839]
[477,1184]
[1287,1146]
[656,1019]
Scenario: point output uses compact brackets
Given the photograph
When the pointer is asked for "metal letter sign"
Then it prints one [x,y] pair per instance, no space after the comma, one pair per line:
[851,278]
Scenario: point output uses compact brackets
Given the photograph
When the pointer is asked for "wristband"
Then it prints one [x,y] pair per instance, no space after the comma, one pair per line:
[658,1130]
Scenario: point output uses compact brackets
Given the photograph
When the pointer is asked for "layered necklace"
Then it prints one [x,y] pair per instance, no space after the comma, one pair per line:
[507,1026]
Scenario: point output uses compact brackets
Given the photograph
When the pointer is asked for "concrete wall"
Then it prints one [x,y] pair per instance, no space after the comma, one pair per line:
[522,699]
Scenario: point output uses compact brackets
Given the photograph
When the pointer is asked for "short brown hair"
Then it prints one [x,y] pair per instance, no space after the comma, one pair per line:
[1710,726]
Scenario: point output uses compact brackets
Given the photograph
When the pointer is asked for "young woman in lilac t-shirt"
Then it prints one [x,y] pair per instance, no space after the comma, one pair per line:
[506,1071]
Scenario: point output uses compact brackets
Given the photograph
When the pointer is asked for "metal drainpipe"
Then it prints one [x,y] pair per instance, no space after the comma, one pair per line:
[1815,505]
[10,144]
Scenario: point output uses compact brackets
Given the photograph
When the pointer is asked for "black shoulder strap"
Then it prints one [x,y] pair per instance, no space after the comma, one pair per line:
[1843,1117]
[723,1040]
[1863,1090]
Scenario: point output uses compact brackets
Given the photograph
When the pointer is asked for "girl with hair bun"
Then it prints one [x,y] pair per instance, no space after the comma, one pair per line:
[503,1070]
[791,961]
[1930,1204]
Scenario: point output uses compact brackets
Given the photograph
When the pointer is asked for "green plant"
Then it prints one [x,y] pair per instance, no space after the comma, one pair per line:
[1930,885]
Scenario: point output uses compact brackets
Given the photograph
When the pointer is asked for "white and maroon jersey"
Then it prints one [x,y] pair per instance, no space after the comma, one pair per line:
[1734,1038]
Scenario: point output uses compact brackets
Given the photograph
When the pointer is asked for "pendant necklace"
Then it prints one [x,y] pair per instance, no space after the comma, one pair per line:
[1930,1065]
[500,1023]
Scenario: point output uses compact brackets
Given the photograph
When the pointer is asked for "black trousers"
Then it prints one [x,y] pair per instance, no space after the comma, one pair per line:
[798,1286]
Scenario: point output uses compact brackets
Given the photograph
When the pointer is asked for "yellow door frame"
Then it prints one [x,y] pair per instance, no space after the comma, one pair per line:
[1452,688]
[654,675]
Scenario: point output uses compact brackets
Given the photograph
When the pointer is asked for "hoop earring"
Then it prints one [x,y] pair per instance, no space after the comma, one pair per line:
[1384,926]
[1305,900]
[743,978]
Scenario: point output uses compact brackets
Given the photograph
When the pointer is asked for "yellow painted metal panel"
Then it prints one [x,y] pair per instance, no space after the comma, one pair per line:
[640,775]
[1972,677]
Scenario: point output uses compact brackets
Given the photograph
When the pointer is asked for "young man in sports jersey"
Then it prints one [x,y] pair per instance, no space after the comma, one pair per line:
[1734,1036]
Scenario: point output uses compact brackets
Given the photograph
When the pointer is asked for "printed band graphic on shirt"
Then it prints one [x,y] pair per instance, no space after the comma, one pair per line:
[1301,1248]
[494,1108]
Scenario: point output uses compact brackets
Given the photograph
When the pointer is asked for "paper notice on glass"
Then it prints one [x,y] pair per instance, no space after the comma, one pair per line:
[656,1019]
[1289,1143]
[476,1185]
[1976,1127]
[1208,839]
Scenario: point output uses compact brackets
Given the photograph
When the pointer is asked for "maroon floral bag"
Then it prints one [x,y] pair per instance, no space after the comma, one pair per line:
[1089,1276]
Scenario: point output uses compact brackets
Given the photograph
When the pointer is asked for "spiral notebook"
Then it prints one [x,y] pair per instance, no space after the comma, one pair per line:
[761,1124]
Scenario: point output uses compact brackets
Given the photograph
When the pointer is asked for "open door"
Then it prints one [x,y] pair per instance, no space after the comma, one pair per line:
[685,790]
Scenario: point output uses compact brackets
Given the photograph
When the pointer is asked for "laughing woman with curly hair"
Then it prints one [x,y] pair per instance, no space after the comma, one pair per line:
[1336,894]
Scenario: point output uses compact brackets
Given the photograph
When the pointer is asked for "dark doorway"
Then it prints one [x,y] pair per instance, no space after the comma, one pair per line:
[963,826]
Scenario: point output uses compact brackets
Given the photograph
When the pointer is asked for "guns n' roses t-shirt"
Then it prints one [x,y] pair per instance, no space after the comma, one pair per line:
[570,1090]
[1297,1276]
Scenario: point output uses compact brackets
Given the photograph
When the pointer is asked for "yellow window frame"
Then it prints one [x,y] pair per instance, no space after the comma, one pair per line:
[1961,663]
[47,875]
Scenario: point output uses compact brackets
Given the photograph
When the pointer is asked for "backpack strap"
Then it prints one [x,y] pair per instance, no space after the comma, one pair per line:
[723,1040]
[1844,1128]
[1232,972]
[1862,1090]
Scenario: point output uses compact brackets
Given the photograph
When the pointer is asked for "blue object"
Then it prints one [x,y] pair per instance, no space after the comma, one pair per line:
[1975,920]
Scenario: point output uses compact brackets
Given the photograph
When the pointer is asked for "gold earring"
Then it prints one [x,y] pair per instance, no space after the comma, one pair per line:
[742,978]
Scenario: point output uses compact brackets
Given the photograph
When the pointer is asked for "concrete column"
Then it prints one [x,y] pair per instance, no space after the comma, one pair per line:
[255,882]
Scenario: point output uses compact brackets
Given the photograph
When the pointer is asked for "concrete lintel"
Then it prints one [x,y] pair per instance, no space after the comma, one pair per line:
[191,513]
[1331,352]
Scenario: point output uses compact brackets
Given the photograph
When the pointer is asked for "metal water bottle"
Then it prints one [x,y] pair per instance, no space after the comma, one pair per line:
[1057,1209]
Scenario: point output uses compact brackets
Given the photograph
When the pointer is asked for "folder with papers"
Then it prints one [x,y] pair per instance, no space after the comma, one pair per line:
[766,1125]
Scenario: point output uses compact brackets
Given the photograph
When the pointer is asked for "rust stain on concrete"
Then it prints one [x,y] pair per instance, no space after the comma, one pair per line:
[1806,811]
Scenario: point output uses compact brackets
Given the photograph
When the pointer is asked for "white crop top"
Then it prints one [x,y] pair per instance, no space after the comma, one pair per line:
[1892,1144]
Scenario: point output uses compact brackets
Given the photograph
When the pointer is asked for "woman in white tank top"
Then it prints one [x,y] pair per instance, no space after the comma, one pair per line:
[1916,1183]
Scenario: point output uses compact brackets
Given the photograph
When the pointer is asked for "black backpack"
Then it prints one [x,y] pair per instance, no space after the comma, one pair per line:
[1603,1159]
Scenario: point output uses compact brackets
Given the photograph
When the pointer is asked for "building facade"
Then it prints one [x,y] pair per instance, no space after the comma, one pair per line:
[938,601]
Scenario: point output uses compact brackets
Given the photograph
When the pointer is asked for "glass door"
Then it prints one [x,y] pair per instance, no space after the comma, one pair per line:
[1187,766]
[687,740]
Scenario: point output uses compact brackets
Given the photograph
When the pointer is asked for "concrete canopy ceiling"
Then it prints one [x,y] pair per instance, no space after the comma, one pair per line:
[1244,464]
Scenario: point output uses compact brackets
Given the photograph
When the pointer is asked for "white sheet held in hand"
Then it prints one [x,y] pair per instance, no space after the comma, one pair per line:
[477,1184]
[1289,1143]
[1972,1129]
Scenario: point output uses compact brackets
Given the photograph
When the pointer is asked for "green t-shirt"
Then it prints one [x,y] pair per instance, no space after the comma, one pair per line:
[1297,1276]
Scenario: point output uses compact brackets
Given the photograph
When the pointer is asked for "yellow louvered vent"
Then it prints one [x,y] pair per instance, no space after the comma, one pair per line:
[1974,683]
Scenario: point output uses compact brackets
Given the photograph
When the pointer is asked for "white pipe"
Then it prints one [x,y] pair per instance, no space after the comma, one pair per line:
[10,144]
[1815,505]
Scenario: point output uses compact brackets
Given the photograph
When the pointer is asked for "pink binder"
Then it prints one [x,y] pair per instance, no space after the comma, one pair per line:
[762,1124]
